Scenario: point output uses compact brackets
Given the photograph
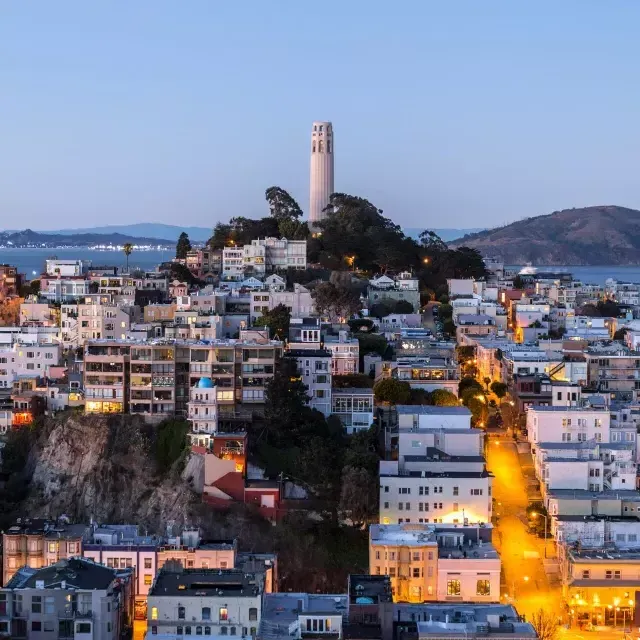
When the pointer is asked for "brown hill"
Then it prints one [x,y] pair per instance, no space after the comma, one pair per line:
[604,235]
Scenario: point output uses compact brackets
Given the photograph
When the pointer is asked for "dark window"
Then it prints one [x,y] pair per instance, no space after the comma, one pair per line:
[36,625]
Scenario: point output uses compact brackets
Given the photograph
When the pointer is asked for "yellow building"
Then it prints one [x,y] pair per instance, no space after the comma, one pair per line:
[408,554]
[599,585]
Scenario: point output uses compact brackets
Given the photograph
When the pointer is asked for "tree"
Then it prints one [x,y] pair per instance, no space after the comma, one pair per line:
[361,324]
[499,389]
[392,391]
[546,624]
[352,381]
[277,319]
[359,495]
[589,310]
[445,312]
[449,327]
[380,309]
[222,236]
[477,404]
[281,205]
[128,250]
[183,246]
[293,229]
[444,398]
[336,301]
[469,383]
[486,381]
[620,334]
[518,282]
[403,306]
[372,343]
[608,308]
[171,442]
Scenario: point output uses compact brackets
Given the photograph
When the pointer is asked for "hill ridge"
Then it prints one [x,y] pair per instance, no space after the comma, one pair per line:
[595,235]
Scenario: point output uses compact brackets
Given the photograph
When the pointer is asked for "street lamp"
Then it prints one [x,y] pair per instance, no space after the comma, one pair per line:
[534,515]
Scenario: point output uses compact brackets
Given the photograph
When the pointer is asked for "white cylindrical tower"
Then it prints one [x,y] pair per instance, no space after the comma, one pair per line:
[321,182]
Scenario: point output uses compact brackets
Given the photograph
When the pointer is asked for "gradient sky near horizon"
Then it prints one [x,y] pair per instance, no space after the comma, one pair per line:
[447,113]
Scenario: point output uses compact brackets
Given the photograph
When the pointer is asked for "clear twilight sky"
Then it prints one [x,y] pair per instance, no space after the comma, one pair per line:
[446,113]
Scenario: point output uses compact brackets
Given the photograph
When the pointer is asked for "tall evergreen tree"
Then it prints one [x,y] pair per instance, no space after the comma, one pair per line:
[183,246]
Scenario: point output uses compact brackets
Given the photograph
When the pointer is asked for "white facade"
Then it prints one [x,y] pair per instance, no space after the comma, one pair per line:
[321,178]
[345,354]
[439,475]
[275,254]
[567,424]
[66,268]
[233,263]
[475,578]
[354,407]
[65,289]
[30,359]
[202,412]
[460,287]
[299,302]
[205,602]
[314,366]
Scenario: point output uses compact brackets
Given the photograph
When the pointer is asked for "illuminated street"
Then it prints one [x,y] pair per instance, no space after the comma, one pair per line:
[139,629]
[524,578]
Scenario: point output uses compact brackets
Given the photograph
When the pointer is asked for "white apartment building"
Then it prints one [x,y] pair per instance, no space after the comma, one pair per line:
[587,328]
[120,546]
[586,465]
[202,412]
[66,268]
[345,354]
[275,254]
[299,302]
[597,531]
[205,602]
[233,263]
[314,366]
[65,289]
[623,292]
[354,407]
[460,287]
[440,474]
[27,359]
[550,424]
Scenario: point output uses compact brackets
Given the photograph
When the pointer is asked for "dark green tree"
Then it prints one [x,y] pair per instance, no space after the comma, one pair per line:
[444,398]
[222,236]
[403,306]
[281,205]
[469,383]
[392,391]
[277,320]
[183,246]
[499,389]
[336,301]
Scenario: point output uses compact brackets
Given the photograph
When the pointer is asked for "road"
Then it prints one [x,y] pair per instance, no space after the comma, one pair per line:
[525,581]
[427,317]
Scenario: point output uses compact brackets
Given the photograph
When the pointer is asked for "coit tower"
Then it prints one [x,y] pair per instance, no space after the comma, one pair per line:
[321,182]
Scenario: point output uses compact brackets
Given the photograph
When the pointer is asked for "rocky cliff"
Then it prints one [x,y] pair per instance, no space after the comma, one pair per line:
[603,235]
[104,468]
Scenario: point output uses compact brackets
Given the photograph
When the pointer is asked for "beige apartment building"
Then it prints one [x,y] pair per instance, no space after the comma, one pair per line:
[152,378]
[614,369]
[37,543]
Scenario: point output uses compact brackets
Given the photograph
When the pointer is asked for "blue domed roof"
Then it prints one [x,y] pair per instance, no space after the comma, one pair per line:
[205,383]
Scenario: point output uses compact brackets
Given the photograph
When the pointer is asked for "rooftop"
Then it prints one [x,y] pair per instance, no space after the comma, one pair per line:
[541,407]
[48,528]
[608,554]
[284,608]
[374,588]
[409,409]
[346,391]
[206,582]
[629,495]
[415,535]
[77,573]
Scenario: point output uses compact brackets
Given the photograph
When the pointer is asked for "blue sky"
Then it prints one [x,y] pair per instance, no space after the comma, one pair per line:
[446,113]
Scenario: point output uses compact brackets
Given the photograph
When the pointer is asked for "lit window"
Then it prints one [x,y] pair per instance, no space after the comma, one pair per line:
[223,614]
[154,613]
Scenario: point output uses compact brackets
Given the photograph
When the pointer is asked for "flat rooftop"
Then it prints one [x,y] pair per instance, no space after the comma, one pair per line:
[443,474]
[541,407]
[412,535]
[629,495]
[206,582]
[346,391]
[279,610]
[410,409]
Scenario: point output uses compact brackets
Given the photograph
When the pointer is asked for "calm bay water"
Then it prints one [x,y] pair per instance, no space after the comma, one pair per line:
[30,261]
